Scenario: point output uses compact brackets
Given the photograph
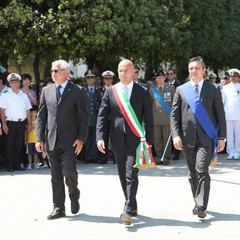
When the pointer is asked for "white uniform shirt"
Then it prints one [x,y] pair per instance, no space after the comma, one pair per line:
[231,100]
[5,89]
[16,104]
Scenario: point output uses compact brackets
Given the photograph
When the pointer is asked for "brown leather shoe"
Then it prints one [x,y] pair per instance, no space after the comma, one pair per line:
[201,212]
[126,218]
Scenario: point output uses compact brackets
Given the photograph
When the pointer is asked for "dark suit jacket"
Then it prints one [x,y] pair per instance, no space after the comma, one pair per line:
[67,119]
[176,83]
[142,105]
[184,123]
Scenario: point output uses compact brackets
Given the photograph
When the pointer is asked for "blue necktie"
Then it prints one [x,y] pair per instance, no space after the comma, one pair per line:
[58,92]
[91,91]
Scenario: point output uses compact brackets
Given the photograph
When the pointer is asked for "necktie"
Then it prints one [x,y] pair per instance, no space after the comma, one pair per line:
[125,91]
[59,92]
[196,89]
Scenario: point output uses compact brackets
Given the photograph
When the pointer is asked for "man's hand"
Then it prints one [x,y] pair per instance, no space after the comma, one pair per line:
[177,142]
[79,145]
[221,145]
[101,146]
[39,146]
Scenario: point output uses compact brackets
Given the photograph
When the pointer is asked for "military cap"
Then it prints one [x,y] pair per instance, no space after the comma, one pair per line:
[89,73]
[212,75]
[159,73]
[234,72]
[108,74]
[13,77]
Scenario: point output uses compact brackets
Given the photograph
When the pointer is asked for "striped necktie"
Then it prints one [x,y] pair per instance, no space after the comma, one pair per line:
[59,92]
[196,88]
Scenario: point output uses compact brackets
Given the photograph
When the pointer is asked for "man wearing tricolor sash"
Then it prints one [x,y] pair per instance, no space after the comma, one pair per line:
[199,129]
[127,105]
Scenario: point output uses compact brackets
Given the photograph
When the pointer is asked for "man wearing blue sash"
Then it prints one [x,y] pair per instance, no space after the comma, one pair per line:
[162,96]
[199,129]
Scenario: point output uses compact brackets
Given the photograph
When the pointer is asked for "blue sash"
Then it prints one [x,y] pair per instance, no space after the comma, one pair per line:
[201,114]
[161,101]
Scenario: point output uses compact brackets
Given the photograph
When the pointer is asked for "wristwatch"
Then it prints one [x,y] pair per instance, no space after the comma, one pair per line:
[222,138]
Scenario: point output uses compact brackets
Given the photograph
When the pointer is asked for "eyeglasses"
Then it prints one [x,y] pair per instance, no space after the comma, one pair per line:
[56,71]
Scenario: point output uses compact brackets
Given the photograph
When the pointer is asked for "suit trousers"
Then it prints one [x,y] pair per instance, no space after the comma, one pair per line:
[63,164]
[128,175]
[198,160]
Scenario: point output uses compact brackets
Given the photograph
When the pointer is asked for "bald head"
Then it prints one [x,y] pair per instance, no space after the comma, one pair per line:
[126,71]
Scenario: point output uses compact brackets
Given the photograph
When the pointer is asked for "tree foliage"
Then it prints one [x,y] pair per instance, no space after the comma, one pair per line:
[100,31]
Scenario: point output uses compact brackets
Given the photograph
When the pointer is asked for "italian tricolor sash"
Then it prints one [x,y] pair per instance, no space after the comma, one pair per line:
[144,158]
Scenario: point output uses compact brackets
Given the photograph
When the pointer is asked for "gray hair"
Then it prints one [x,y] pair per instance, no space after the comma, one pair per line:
[63,64]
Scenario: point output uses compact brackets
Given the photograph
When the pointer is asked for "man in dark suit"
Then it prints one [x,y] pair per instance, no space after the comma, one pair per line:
[124,141]
[190,131]
[62,124]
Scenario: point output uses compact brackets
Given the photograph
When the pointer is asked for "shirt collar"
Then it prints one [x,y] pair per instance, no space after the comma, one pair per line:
[129,86]
[199,83]
[63,84]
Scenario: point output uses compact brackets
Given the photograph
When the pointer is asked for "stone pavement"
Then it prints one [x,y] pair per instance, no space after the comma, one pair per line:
[164,200]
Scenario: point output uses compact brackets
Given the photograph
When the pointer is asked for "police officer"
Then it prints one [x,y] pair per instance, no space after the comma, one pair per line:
[93,100]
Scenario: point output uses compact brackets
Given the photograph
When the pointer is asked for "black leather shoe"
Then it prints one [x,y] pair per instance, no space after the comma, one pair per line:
[175,157]
[19,168]
[75,207]
[201,212]
[57,213]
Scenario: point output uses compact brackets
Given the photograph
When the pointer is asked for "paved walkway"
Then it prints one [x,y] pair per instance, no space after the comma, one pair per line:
[164,200]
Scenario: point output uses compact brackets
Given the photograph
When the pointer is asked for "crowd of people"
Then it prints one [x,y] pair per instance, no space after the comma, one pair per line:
[161,88]
[61,122]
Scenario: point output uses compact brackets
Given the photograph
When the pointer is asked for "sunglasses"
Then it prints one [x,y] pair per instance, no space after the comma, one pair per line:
[56,71]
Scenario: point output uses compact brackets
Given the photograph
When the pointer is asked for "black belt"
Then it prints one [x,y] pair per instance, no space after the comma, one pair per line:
[15,119]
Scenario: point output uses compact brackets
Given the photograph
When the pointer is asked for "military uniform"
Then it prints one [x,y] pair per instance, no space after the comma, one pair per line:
[93,100]
[162,121]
